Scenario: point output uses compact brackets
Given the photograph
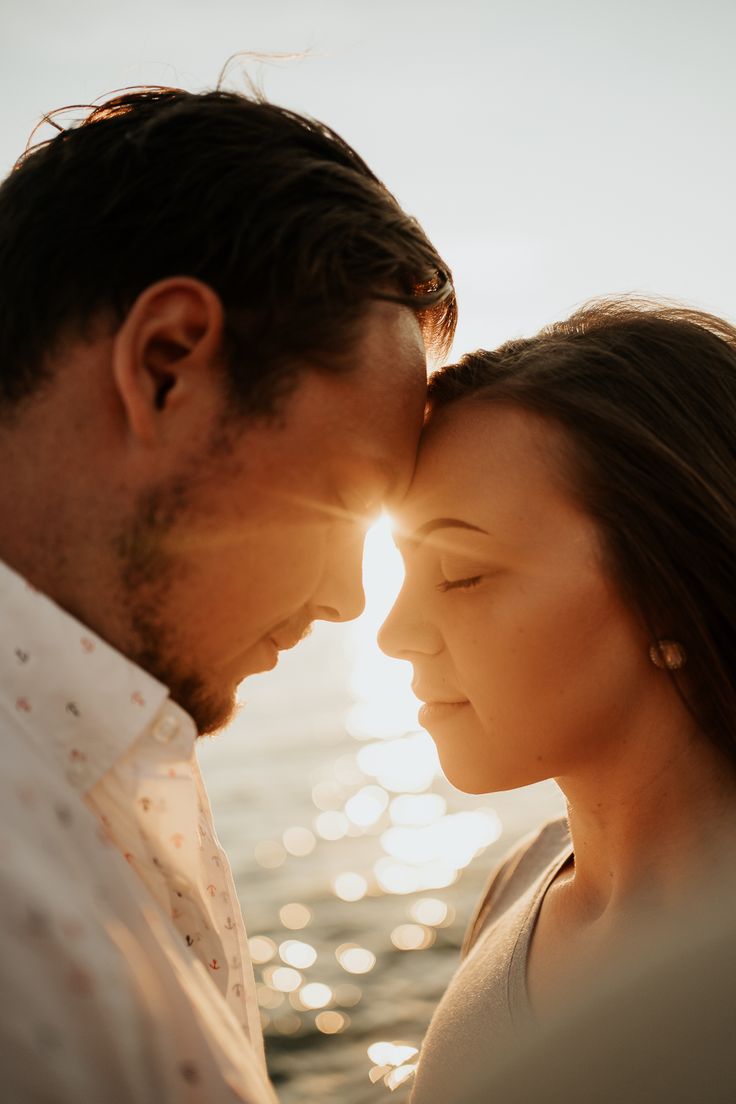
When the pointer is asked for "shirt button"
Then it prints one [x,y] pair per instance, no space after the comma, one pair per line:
[165,729]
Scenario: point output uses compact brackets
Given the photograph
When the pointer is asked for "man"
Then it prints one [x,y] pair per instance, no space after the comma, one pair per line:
[212,371]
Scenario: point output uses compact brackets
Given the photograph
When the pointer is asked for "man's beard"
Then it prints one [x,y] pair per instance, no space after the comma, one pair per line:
[148,570]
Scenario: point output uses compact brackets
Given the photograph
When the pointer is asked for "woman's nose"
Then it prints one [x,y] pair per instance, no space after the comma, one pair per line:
[407,630]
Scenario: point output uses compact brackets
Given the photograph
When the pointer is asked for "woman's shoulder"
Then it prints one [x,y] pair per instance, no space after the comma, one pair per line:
[517,871]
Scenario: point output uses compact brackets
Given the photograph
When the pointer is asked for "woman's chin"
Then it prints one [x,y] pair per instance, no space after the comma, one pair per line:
[472,775]
[466,775]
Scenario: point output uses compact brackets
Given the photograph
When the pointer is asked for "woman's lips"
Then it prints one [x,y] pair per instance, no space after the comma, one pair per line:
[433,711]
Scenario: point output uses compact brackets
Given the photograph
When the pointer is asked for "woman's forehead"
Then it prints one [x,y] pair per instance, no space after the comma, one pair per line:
[492,465]
[477,443]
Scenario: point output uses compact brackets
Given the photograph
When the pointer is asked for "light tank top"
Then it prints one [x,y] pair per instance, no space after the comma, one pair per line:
[487,1003]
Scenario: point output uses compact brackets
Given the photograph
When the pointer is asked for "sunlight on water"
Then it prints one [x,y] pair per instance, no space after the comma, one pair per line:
[391,1063]
[299,841]
[354,959]
[406,764]
[417,809]
[331,825]
[316,995]
[367,806]
[283,978]
[330,1023]
[412,937]
[350,887]
[297,954]
[431,911]
[262,949]
[295,915]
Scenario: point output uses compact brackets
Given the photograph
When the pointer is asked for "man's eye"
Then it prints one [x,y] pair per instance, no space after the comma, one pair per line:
[460,584]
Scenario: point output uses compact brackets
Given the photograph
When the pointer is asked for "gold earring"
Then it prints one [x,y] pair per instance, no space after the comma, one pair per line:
[668,655]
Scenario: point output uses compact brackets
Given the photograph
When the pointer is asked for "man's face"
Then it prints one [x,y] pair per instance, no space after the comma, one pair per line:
[233,560]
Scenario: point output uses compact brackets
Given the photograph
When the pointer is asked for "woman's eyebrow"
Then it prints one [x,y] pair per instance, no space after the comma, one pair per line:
[416,538]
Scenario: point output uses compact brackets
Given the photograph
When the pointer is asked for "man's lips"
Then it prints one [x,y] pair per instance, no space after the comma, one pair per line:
[286,638]
[265,652]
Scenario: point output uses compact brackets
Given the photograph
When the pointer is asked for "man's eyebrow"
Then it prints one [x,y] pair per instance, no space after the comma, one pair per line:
[415,539]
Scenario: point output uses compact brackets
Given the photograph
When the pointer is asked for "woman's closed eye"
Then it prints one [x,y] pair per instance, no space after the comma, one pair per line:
[460,584]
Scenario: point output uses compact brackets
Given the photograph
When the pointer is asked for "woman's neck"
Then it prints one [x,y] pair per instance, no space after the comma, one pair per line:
[647,822]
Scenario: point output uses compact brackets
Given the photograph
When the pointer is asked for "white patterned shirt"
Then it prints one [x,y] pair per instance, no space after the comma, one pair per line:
[124,967]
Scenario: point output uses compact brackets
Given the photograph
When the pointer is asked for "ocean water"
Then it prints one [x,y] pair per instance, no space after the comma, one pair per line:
[356,863]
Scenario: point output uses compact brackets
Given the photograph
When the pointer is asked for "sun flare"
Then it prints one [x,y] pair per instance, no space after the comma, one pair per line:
[385,703]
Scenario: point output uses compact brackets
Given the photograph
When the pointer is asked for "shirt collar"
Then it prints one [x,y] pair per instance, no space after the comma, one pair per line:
[77,698]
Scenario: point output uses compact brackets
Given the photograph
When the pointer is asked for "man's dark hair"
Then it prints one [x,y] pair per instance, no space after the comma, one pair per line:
[646,396]
[272,210]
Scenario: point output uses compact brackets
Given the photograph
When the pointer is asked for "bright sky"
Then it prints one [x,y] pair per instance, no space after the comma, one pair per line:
[553,149]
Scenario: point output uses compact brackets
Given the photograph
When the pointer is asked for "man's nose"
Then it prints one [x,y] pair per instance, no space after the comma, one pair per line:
[340,595]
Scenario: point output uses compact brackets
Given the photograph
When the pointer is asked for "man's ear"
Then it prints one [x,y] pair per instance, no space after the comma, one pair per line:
[166,351]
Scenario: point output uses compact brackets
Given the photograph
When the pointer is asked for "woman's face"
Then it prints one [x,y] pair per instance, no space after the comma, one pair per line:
[529,662]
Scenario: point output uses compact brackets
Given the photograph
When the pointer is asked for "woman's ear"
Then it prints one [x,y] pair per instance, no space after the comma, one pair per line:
[165,354]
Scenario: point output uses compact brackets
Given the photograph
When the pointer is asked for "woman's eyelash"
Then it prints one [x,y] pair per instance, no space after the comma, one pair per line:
[460,584]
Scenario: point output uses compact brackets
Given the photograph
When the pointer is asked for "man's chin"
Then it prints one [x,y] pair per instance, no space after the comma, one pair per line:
[213,710]
[210,709]
[212,716]
[212,702]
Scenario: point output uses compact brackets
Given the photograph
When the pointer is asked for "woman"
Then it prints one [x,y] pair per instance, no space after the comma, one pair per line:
[569,610]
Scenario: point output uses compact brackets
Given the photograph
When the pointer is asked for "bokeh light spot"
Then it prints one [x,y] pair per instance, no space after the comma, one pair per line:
[355,959]
[299,841]
[366,806]
[331,825]
[269,854]
[391,1054]
[285,979]
[350,886]
[295,953]
[268,997]
[295,915]
[416,810]
[412,937]
[262,949]
[399,1075]
[327,795]
[431,911]
[408,764]
[315,995]
[331,1023]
